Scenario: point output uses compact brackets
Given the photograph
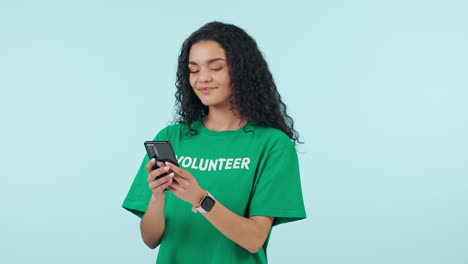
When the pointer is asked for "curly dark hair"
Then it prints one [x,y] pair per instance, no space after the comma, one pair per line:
[254,93]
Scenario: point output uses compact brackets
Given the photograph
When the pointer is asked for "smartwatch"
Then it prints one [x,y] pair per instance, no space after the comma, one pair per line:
[205,205]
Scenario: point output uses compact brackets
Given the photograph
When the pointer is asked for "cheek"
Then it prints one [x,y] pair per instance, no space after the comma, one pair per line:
[226,79]
[192,81]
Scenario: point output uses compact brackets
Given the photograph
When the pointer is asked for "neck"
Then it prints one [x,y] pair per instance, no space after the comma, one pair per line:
[222,120]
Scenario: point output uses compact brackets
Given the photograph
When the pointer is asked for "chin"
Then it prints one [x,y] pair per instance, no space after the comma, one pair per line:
[211,103]
[208,103]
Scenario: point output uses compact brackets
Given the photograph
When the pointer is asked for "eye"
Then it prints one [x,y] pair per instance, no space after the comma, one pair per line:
[193,71]
[217,69]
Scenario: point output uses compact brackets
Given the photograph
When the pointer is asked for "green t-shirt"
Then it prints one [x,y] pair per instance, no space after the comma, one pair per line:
[251,171]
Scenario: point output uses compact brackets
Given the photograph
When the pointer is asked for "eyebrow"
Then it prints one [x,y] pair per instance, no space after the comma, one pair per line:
[208,62]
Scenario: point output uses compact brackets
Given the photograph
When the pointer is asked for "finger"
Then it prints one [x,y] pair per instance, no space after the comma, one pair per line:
[155,173]
[158,172]
[155,184]
[164,179]
[150,164]
[180,180]
[165,185]
[178,170]
[173,190]
[177,186]
[161,181]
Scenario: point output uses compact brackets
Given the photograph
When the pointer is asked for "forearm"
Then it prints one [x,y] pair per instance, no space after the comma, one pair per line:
[152,224]
[249,233]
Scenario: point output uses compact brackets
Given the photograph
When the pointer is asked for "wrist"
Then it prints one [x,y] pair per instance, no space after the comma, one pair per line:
[159,198]
[200,194]
[205,205]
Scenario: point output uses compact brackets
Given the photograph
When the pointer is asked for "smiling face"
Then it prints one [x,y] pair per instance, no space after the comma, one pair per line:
[209,73]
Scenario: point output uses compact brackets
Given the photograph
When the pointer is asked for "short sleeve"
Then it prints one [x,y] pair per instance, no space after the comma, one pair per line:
[138,196]
[277,191]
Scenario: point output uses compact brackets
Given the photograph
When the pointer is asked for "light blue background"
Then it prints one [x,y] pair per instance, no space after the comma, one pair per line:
[378,91]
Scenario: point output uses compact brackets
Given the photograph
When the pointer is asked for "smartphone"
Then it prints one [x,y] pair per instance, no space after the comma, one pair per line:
[161,151]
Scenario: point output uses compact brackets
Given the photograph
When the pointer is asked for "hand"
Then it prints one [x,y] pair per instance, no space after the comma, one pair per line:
[185,185]
[158,186]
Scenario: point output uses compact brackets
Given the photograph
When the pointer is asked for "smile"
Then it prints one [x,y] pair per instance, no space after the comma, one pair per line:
[206,90]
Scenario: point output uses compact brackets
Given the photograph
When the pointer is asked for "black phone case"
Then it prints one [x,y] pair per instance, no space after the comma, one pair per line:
[161,151]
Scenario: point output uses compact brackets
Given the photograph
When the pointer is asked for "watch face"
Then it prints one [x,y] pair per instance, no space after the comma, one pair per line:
[207,203]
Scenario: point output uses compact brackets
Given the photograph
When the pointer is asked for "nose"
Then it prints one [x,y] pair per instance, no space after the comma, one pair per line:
[204,76]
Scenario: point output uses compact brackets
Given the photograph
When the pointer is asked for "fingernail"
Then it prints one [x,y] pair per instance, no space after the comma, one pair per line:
[167,163]
[152,159]
[171,174]
[166,168]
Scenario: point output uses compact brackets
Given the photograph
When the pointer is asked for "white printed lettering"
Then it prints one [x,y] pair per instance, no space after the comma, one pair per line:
[221,162]
[186,164]
[194,163]
[236,163]
[203,166]
[245,163]
[229,164]
[179,160]
[213,164]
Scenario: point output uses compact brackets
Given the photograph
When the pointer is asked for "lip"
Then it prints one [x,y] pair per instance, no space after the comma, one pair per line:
[206,90]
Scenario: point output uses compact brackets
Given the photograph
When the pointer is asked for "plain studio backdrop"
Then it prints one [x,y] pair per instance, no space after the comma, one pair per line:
[378,91]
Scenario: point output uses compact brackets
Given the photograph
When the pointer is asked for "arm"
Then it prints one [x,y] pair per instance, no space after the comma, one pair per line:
[249,233]
[152,224]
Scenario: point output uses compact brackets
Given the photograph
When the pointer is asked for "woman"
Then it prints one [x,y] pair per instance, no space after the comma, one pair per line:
[238,165]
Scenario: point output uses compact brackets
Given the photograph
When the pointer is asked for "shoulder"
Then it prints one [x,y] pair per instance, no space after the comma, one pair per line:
[273,136]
